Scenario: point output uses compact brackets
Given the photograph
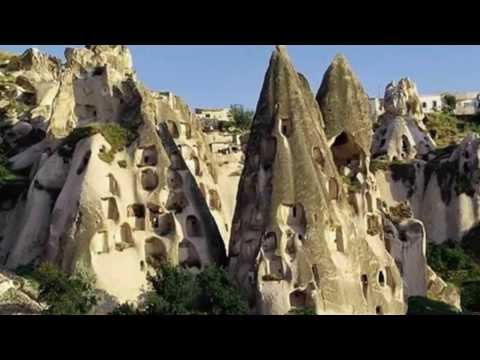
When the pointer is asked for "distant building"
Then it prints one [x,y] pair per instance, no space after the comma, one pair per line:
[431,103]
[467,103]
[167,97]
[216,114]
[376,108]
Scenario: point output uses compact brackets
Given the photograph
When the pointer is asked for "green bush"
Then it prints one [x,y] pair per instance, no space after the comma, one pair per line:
[116,135]
[125,309]
[470,296]
[177,291]
[242,118]
[63,294]
[302,311]
[455,264]
[418,305]
[218,294]
[450,103]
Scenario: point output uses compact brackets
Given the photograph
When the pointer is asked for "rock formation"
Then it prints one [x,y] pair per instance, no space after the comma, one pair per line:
[401,133]
[104,186]
[345,110]
[296,240]
[18,296]
[332,211]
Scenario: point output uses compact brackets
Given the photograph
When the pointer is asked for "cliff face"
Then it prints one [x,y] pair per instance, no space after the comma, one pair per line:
[106,188]
[296,240]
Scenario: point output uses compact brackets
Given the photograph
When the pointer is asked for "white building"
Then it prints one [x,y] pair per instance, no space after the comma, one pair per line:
[431,103]
[217,114]
[376,108]
[468,103]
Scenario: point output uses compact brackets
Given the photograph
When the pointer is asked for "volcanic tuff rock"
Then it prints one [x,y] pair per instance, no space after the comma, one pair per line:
[100,174]
[448,178]
[106,188]
[344,105]
[401,133]
[345,109]
[18,296]
[296,241]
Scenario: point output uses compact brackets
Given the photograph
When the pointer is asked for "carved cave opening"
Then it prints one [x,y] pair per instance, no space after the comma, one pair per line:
[346,152]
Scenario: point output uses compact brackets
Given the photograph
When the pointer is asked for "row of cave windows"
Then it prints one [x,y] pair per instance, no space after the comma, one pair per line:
[150,158]
[155,250]
[162,223]
[299,298]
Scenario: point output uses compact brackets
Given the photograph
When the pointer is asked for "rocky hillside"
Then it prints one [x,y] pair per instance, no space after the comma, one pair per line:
[325,212]
[100,173]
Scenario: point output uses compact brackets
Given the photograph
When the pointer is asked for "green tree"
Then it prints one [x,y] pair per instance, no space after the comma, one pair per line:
[470,296]
[177,291]
[219,295]
[418,305]
[63,294]
[450,103]
[242,118]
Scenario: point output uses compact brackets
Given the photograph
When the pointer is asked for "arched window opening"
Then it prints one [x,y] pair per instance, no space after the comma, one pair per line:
[364,280]
[381,278]
[333,189]
[155,252]
[150,156]
[173,129]
[188,256]
[318,156]
[176,202]
[149,180]
[193,226]
[286,126]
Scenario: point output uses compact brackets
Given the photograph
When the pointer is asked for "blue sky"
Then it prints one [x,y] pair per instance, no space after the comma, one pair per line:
[216,76]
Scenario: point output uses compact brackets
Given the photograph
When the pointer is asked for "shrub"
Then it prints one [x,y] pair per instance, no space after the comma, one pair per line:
[450,103]
[470,296]
[177,291]
[125,309]
[454,263]
[242,118]
[418,305]
[219,296]
[302,311]
[63,294]
[117,136]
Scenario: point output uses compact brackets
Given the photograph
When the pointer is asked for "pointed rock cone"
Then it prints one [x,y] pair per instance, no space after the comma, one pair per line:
[344,104]
[294,243]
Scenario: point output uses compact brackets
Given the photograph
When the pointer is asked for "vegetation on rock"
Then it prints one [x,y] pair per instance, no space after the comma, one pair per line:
[242,118]
[400,212]
[117,136]
[177,291]
[446,129]
[404,172]
[63,294]
[455,264]
[418,305]
[302,311]
[450,103]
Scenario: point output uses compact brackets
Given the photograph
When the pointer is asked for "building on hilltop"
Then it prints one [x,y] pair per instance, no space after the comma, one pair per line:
[214,119]
[220,114]
[467,103]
